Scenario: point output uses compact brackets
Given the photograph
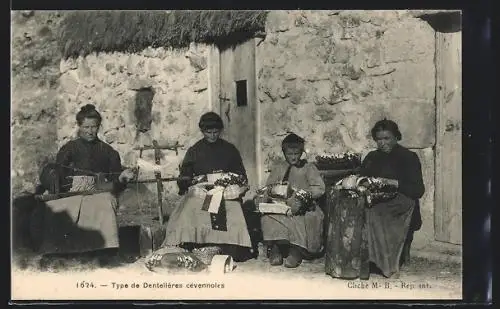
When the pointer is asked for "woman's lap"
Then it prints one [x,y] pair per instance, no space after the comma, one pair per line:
[77,224]
[190,224]
[305,231]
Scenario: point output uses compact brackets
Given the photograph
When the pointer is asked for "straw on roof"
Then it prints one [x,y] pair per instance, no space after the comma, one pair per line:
[84,32]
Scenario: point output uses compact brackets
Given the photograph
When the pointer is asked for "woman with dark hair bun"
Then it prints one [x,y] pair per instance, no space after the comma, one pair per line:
[88,112]
[85,165]
[88,155]
[391,223]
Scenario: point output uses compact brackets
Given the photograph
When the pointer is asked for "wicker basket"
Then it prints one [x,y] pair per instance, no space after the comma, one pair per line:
[206,254]
[345,165]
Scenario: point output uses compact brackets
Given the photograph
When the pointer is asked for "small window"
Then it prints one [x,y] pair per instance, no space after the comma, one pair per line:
[241,92]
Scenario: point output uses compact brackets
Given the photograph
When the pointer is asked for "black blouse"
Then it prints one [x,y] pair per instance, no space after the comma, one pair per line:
[204,158]
[400,164]
[80,157]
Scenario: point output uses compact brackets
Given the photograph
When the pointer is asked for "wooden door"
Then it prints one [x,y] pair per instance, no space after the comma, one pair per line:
[448,186]
[238,106]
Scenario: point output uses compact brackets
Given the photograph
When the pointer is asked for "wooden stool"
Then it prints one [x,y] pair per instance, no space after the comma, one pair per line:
[151,236]
[140,235]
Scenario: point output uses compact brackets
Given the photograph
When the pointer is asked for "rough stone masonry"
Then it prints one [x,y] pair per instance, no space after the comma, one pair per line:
[326,75]
[330,75]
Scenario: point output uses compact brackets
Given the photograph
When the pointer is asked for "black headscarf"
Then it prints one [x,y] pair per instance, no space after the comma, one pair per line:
[293,140]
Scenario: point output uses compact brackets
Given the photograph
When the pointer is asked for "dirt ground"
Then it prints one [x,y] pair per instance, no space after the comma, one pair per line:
[253,279]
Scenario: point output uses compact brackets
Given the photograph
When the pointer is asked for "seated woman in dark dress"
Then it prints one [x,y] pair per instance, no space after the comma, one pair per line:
[83,164]
[190,225]
[89,156]
[391,223]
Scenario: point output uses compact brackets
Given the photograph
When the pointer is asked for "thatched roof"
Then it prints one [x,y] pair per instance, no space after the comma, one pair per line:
[84,32]
[421,13]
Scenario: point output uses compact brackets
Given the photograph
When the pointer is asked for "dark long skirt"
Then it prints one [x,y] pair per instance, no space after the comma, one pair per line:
[388,224]
[347,254]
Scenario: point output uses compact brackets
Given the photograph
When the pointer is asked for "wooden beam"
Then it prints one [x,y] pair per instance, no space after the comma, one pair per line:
[214,78]
[175,147]
[51,197]
[168,179]
[448,164]
[159,183]
[151,237]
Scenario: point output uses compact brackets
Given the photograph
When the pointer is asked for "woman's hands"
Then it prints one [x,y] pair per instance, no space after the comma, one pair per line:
[295,204]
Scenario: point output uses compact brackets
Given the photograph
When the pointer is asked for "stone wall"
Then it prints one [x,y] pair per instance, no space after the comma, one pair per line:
[326,75]
[330,75]
[34,79]
[179,80]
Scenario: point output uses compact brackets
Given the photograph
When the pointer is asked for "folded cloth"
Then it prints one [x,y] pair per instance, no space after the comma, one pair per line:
[213,200]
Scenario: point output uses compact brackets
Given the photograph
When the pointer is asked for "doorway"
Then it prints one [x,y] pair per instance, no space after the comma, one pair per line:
[448,182]
[233,97]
